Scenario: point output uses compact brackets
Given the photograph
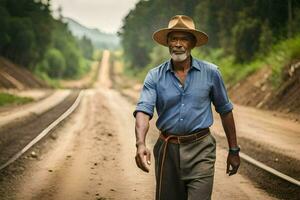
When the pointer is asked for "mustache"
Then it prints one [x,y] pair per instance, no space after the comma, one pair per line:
[178,50]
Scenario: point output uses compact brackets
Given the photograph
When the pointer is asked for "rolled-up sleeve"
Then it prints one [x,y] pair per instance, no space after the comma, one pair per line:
[148,96]
[219,94]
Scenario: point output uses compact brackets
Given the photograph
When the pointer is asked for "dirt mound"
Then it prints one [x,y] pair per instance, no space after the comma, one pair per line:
[257,91]
[17,77]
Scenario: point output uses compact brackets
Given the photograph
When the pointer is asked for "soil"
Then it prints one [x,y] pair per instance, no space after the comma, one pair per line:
[84,82]
[271,137]
[257,91]
[15,113]
[275,186]
[13,76]
[92,157]
[17,134]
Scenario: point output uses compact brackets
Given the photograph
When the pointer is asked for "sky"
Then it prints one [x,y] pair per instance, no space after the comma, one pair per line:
[106,15]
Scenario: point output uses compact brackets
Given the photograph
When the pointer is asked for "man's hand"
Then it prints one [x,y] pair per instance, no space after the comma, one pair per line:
[143,157]
[233,163]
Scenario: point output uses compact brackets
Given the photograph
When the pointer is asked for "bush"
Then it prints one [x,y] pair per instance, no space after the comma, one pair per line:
[54,63]
[73,63]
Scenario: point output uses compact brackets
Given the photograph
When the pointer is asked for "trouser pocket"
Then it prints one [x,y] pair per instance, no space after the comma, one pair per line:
[197,159]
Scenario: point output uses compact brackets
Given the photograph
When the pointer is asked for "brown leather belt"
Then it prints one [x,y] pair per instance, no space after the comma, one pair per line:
[177,139]
[180,139]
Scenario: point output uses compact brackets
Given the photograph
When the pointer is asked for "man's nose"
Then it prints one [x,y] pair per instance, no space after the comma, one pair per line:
[178,43]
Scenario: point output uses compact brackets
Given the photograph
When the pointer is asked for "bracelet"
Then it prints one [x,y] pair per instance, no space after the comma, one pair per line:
[234,151]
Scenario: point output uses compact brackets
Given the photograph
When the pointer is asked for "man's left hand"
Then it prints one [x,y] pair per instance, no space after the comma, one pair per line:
[233,163]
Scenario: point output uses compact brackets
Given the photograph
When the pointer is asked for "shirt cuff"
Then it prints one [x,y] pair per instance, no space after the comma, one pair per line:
[145,109]
[225,108]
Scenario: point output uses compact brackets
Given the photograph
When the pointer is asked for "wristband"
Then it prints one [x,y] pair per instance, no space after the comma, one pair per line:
[234,151]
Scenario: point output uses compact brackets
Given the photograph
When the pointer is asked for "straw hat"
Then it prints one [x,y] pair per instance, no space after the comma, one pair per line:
[180,23]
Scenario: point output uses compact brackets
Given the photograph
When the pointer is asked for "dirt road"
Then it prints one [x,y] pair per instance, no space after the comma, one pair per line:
[91,156]
[17,113]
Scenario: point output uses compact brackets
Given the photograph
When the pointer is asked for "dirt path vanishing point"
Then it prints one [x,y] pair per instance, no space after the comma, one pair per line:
[91,156]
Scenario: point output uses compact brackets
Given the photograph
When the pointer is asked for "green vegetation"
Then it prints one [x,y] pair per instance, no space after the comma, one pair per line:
[66,56]
[31,37]
[281,55]
[243,35]
[7,99]
[231,71]
[277,57]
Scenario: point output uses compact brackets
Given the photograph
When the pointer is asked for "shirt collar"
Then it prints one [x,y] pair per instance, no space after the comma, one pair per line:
[195,65]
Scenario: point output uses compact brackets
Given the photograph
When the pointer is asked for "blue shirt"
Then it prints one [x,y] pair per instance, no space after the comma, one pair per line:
[184,109]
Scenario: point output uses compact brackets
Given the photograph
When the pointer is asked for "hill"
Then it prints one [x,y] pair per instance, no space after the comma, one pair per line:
[99,39]
[256,90]
[17,77]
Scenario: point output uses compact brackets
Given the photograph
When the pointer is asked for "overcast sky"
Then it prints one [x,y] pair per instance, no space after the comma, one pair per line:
[105,15]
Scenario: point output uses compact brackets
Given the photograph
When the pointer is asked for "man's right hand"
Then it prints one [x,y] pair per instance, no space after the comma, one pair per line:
[143,157]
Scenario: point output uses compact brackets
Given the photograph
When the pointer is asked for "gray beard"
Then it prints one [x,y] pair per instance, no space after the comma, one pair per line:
[179,57]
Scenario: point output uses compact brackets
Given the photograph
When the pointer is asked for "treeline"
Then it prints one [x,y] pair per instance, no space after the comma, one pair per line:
[244,29]
[31,37]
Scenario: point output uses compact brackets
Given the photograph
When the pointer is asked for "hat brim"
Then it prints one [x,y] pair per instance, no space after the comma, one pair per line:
[160,36]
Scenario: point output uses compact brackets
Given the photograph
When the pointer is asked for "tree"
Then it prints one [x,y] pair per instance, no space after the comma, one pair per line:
[24,24]
[55,63]
[86,47]
[238,27]
[245,36]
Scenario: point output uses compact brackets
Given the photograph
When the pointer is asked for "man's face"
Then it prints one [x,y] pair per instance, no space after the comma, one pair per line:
[180,45]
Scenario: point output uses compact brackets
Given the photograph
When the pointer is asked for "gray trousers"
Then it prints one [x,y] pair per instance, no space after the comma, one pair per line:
[188,170]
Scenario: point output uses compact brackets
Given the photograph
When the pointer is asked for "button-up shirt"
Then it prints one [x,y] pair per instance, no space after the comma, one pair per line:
[183,109]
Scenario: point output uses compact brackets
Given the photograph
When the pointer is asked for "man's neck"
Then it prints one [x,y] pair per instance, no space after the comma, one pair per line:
[183,65]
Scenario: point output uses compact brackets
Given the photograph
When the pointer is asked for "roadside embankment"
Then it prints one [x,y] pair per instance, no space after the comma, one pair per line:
[257,91]
[17,77]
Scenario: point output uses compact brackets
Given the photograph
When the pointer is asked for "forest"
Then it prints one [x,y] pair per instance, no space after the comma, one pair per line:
[243,35]
[31,37]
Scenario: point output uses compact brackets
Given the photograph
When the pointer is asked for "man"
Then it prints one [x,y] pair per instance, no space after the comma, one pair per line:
[182,90]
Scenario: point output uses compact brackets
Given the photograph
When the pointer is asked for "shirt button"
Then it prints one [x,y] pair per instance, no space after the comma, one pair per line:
[182,104]
[181,119]
[180,85]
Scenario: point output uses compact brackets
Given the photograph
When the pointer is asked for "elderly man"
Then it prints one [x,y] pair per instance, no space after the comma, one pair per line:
[182,90]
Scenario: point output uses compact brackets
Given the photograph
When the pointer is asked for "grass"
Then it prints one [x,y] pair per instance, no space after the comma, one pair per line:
[232,72]
[9,99]
[84,69]
[277,58]
[54,83]
[281,55]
